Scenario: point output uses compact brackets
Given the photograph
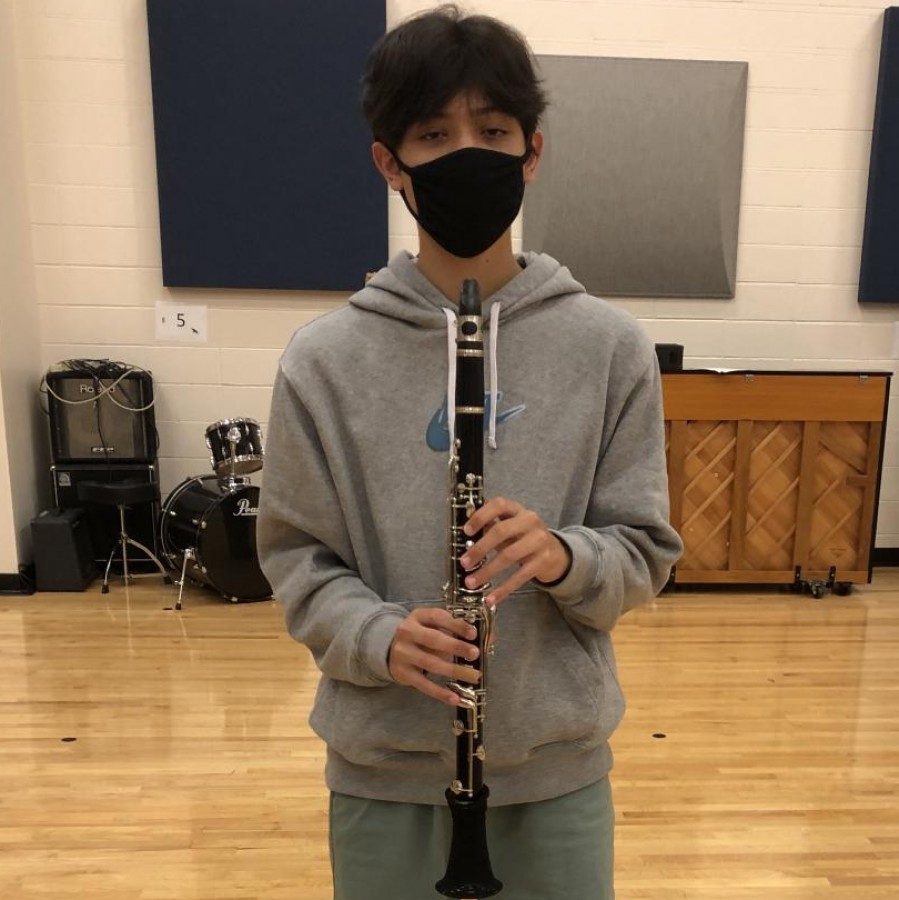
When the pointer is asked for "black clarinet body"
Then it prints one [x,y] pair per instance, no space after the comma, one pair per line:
[468,873]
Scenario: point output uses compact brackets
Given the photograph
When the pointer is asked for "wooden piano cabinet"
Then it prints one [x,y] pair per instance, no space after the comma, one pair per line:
[774,476]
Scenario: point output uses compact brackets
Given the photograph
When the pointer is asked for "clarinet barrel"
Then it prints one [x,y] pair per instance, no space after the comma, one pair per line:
[468,873]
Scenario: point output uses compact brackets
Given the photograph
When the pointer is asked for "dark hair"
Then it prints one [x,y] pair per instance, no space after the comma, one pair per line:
[415,69]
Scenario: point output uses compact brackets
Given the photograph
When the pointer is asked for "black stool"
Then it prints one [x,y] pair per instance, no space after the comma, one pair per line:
[122,495]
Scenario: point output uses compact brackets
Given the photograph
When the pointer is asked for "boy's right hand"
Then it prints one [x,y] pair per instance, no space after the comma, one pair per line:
[425,643]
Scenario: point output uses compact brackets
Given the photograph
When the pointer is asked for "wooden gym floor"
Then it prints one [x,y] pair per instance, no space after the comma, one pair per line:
[155,755]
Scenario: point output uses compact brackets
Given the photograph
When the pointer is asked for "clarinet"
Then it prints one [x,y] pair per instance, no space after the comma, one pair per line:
[468,872]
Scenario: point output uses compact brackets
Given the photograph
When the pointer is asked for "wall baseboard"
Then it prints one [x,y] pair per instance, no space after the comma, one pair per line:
[884,557]
[16,583]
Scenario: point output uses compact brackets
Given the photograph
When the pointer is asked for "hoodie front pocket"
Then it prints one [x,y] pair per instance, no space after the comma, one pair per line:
[546,688]
[366,726]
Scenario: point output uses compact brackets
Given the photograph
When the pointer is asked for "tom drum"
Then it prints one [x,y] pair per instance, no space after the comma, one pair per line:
[236,446]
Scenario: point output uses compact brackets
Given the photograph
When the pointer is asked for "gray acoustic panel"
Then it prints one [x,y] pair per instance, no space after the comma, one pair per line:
[639,187]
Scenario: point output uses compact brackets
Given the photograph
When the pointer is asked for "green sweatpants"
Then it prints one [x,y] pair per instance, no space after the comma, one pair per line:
[554,849]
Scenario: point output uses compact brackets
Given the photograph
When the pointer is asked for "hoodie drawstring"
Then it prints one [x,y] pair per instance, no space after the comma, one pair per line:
[494,379]
[451,374]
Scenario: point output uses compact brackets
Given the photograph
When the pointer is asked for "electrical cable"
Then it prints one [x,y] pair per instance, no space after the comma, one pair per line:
[97,369]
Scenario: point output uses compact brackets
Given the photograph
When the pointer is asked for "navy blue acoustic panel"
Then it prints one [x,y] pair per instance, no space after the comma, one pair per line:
[263,155]
[879,278]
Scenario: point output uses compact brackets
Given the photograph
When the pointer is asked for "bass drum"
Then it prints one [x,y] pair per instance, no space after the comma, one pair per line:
[213,522]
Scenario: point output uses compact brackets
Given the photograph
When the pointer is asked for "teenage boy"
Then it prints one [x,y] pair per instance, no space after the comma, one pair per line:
[352,526]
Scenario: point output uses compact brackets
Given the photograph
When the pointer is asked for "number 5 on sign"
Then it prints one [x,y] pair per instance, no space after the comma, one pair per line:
[180,322]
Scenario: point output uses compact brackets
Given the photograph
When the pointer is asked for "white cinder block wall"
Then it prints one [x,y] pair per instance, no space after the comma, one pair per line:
[86,117]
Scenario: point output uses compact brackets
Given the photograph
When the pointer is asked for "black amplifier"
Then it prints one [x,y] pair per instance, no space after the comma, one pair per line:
[101,412]
[671,357]
[63,554]
[141,520]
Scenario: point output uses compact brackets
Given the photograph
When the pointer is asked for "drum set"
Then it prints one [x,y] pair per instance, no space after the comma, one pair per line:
[208,523]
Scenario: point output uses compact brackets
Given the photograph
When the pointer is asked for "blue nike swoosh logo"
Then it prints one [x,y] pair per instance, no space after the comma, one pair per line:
[437,435]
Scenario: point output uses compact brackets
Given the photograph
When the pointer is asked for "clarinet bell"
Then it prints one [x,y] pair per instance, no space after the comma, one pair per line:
[468,872]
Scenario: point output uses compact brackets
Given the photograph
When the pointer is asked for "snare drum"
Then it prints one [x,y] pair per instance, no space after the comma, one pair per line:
[236,446]
[213,522]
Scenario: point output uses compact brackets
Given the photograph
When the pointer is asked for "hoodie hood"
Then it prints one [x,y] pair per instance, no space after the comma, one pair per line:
[400,291]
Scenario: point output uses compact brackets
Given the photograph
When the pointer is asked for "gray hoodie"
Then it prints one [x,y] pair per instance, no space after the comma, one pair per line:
[352,528]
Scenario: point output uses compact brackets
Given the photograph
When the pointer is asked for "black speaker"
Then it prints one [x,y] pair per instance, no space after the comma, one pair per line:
[103,521]
[101,419]
[671,357]
[879,275]
[63,553]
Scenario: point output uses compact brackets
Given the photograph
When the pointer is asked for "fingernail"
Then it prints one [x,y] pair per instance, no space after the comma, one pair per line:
[473,653]
[467,529]
[490,600]
[471,581]
[466,561]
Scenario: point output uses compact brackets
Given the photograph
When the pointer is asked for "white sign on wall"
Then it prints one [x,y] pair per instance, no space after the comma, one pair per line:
[181,322]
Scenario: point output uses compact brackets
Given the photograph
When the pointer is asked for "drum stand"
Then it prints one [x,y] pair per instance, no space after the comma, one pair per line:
[232,479]
[189,554]
[122,495]
[122,543]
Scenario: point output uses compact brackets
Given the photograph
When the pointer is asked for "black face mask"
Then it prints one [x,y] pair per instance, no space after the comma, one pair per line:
[468,198]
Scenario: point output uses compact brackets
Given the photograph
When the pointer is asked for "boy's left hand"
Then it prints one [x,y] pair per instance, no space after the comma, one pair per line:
[517,537]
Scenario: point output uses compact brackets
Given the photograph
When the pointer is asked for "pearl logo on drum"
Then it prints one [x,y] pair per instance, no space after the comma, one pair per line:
[244,508]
